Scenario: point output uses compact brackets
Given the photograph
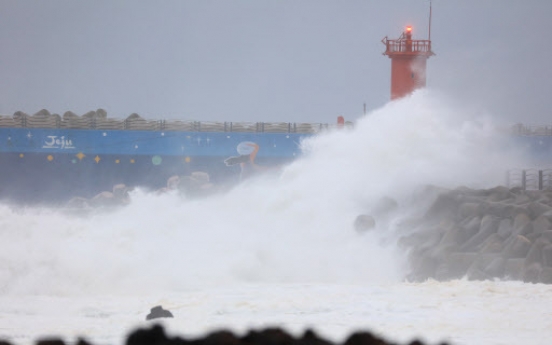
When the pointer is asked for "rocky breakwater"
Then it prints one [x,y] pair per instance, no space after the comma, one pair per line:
[483,234]
[197,184]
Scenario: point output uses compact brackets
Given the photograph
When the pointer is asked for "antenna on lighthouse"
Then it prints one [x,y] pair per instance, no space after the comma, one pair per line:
[429,36]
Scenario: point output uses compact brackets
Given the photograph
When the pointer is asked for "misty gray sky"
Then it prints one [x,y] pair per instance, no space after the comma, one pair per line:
[267,60]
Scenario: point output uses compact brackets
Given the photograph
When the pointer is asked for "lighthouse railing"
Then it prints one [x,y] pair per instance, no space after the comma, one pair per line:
[408,46]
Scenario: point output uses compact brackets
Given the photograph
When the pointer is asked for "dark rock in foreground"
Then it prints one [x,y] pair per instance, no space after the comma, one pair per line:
[484,234]
[271,336]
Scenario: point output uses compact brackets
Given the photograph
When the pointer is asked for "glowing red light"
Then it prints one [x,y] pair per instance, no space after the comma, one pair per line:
[409,28]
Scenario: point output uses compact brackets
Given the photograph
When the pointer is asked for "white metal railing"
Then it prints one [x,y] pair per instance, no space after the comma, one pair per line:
[92,120]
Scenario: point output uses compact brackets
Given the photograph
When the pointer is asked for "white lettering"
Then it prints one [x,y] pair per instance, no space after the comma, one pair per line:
[53,142]
[50,143]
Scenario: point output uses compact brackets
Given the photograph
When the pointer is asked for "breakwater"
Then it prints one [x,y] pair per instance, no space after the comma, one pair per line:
[497,233]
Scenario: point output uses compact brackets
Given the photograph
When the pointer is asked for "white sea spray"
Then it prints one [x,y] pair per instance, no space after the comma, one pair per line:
[275,250]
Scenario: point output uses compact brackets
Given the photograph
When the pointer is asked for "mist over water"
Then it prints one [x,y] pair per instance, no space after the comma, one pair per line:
[295,226]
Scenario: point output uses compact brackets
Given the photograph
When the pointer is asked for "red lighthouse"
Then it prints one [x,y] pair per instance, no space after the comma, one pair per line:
[408,63]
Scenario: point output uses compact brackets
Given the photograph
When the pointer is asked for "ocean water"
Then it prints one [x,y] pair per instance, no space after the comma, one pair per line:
[277,250]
